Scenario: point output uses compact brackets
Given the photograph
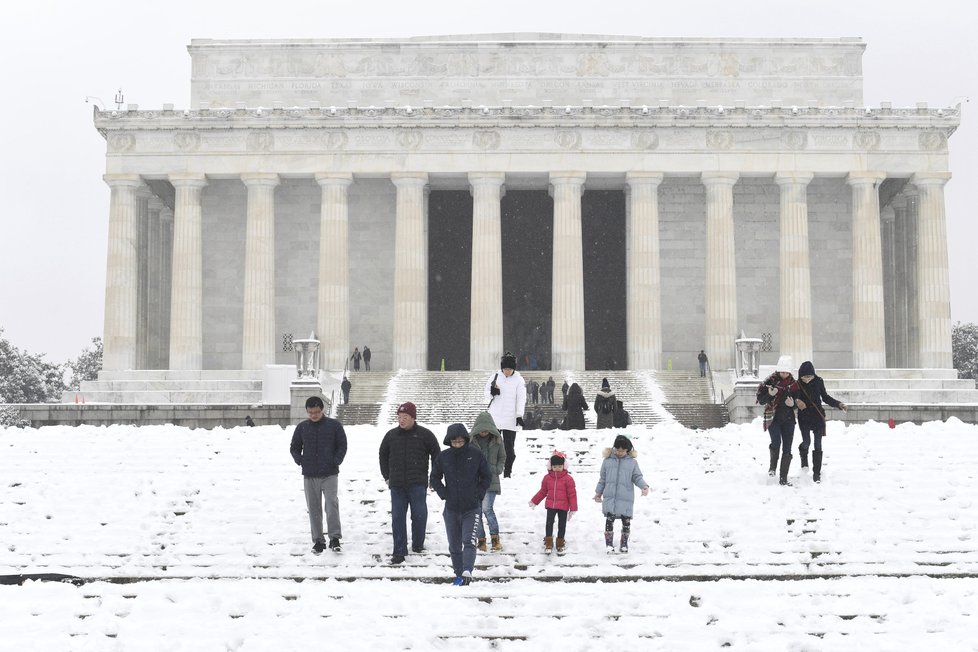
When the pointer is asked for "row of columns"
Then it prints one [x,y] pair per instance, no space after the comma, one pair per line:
[133,317]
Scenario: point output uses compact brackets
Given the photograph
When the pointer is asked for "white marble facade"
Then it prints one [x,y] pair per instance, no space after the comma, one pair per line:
[292,196]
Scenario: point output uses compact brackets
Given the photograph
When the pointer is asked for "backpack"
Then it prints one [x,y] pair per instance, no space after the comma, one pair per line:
[608,406]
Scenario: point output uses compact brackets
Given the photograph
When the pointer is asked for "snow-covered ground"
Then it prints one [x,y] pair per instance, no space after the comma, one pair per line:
[198,540]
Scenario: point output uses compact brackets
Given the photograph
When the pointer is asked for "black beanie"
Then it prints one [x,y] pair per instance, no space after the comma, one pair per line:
[556,459]
[604,384]
[508,361]
[621,441]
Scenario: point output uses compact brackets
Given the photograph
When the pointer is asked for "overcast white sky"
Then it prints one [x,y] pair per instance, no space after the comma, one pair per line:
[54,203]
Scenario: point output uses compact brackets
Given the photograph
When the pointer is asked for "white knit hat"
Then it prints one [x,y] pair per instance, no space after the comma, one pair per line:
[785,363]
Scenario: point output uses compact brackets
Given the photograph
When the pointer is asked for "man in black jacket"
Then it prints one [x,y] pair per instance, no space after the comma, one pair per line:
[404,455]
[811,418]
[319,446]
[461,476]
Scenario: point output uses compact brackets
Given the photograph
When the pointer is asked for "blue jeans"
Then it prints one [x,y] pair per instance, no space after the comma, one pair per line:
[781,435]
[490,515]
[460,530]
[415,496]
[806,439]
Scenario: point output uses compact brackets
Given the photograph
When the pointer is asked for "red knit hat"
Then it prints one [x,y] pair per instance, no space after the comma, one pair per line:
[409,409]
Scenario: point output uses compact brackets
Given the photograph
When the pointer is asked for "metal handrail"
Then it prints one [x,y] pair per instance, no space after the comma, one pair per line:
[713,389]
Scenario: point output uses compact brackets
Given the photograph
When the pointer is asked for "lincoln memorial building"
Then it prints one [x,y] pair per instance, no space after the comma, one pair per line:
[602,202]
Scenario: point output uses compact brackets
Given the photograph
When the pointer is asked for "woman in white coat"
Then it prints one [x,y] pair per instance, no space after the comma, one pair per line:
[506,393]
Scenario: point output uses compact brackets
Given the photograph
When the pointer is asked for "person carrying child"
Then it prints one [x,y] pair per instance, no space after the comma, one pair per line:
[620,474]
[560,492]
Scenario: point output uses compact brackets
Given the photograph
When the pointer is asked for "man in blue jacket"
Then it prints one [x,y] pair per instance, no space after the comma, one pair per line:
[461,476]
[319,446]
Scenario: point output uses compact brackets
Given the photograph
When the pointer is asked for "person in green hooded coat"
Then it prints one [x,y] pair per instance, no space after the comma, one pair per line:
[486,437]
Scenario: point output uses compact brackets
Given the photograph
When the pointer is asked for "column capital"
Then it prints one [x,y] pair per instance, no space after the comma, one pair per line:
[334,179]
[719,178]
[144,192]
[790,178]
[873,178]
[568,177]
[156,204]
[649,178]
[930,178]
[191,179]
[259,179]
[487,178]
[409,178]
[130,180]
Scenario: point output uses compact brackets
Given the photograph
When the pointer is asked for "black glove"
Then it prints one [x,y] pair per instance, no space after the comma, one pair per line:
[494,390]
[519,421]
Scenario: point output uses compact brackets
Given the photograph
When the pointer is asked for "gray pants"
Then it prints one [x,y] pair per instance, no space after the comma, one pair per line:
[316,489]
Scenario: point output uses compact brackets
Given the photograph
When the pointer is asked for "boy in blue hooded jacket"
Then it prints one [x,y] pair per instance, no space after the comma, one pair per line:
[460,476]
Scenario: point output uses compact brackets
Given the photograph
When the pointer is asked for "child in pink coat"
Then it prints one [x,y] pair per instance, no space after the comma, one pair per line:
[558,488]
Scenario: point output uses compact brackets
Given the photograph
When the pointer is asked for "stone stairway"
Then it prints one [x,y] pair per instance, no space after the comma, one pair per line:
[367,394]
[171,386]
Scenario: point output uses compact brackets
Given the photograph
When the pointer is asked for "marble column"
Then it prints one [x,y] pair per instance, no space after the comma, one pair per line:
[143,195]
[333,316]
[568,272]
[868,321]
[154,264]
[720,292]
[795,332]
[890,281]
[186,297]
[933,283]
[166,283]
[902,283]
[644,286]
[410,342]
[486,340]
[121,273]
[258,320]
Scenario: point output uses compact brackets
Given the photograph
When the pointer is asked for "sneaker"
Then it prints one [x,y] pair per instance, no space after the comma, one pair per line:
[466,578]
[318,547]
[457,581]
[397,559]
[418,550]
[334,544]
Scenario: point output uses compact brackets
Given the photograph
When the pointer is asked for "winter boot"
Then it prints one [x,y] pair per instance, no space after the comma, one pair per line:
[609,542]
[817,466]
[497,545]
[548,544]
[623,544]
[785,463]
[482,544]
[804,457]
[561,545]
[774,460]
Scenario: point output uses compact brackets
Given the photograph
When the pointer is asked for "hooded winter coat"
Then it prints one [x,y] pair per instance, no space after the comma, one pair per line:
[812,394]
[559,489]
[460,476]
[604,407]
[510,403]
[617,482]
[574,405]
[491,447]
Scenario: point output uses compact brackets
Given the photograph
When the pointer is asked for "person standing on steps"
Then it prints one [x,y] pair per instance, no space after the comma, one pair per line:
[460,476]
[404,455]
[550,390]
[560,492]
[575,406]
[604,405]
[506,392]
[620,474]
[319,446]
[366,358]
[811,416]
[356,358]
[779,394]
[486,437]
[346,386]
[703,360]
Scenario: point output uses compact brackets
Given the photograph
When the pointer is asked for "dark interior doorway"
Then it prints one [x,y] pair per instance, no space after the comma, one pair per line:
[527,247]
[449,278]
[605,317]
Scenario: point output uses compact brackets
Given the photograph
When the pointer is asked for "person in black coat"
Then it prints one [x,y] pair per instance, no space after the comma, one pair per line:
[778,394]
[574,405]
[461,476]
[404,455]
[811,417]
[319,446]
[346,386]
